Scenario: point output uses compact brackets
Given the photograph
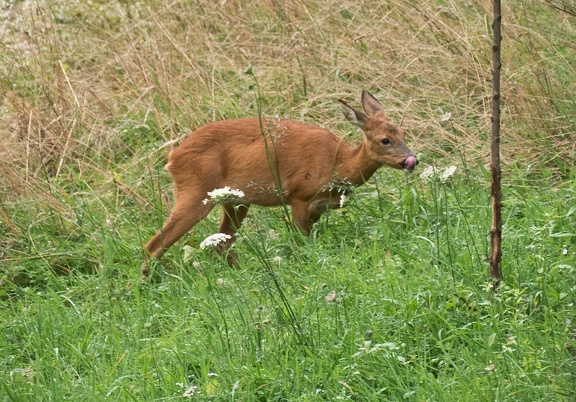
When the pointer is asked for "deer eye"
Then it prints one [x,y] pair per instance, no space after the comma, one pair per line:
[385,141]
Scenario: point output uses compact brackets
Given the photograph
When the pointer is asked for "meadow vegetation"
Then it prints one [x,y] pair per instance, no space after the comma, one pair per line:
[389,298]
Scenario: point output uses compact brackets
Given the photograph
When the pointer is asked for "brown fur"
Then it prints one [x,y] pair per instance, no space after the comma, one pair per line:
[254,155]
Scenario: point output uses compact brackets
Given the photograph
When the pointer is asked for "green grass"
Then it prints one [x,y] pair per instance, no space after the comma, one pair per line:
[388,299]
[413,315]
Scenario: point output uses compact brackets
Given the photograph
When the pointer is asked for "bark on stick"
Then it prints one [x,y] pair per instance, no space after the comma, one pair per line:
[496,188]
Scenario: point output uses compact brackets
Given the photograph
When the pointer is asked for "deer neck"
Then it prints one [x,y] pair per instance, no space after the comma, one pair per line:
[354,165]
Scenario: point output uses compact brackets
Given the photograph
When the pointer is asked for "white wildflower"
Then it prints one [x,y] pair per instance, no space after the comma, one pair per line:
[188,253]
[429,173]
[272,234]
[223,194]
[190,391]
[445,116]
[214,240]
[343,199]
[448,173]
[433,173]
[330,297]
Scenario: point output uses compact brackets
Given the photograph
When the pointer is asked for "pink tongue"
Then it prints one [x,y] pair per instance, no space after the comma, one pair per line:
[410,162]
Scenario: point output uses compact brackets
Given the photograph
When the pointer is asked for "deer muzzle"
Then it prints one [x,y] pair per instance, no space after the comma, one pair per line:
[409,163]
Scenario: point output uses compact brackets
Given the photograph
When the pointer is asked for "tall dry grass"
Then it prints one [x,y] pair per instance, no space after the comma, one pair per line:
[93,94]
[90,88]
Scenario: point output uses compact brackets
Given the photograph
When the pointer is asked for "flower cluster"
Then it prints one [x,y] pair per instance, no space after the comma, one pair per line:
[190,392]
[429,173]
[214,240]
[433,173]
[222,195]
[188,253]
[444,116]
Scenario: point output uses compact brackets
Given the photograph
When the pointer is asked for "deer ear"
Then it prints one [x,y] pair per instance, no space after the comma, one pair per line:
[355,117]
[372,106]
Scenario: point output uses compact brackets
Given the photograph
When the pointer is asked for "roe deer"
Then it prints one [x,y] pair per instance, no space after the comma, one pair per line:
[309,164]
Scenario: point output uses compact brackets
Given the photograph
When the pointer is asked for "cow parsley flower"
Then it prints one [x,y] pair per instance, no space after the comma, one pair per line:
[429,173]
[272,234]
[448,173]
[214,240]
[444,116]
[433,173]
[188,253]
[224,194]
[190,392]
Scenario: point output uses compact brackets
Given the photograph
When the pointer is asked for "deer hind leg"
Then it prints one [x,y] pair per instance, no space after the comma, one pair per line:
[305,215]
[232,217]
[187,212]
[301,217]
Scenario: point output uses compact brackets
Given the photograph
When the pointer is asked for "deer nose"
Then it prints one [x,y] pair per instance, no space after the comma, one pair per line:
[410,163]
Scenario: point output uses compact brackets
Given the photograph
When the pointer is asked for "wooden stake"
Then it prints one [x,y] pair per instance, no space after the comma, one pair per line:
[496,187]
